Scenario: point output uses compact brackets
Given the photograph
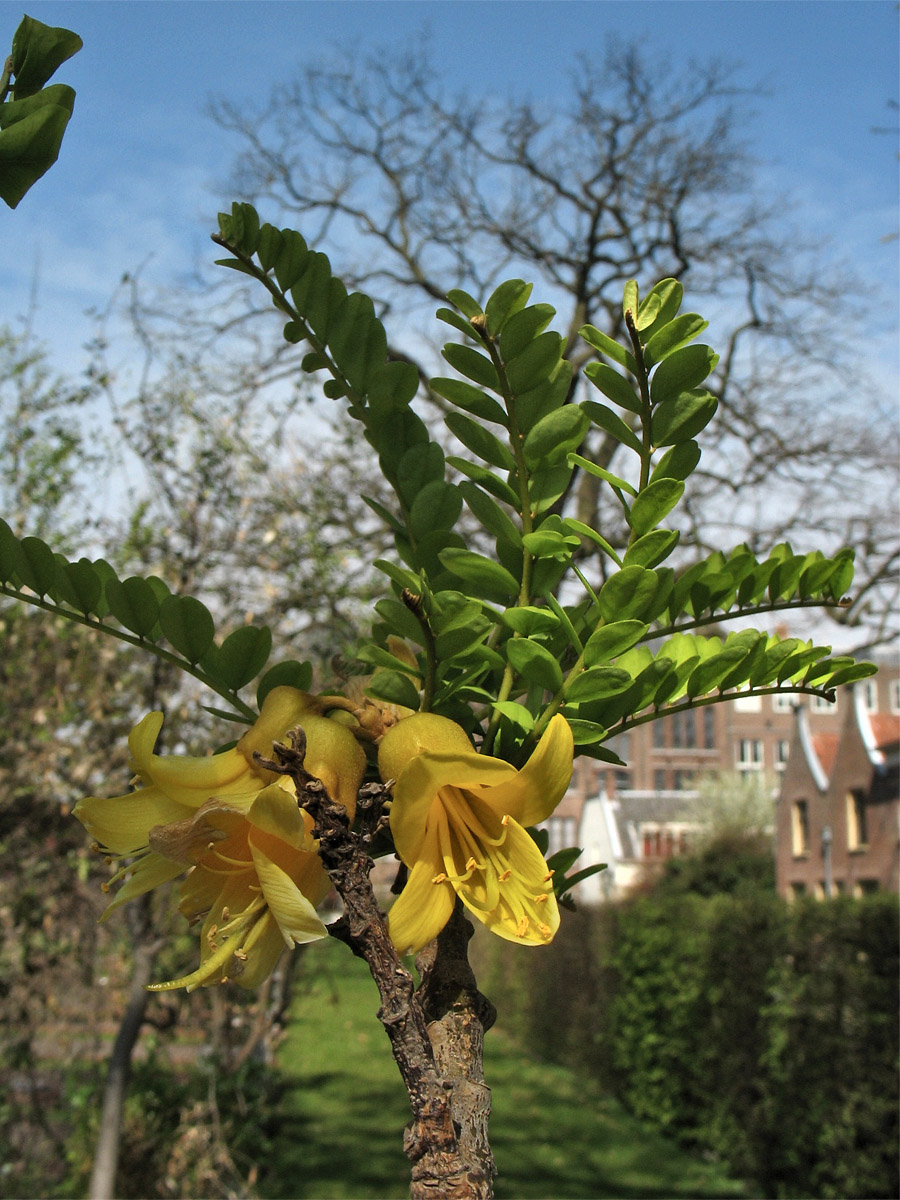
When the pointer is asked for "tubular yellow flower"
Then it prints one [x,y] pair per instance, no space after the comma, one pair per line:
[458,820]
[255,877]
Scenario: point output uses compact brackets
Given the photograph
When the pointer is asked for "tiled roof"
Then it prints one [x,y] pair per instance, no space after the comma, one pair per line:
[825,746]
[886,729]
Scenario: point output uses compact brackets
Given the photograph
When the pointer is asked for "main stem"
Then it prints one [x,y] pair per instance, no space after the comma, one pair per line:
[439,1144]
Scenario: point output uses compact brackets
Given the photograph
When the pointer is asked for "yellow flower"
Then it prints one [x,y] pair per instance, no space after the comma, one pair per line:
[458,820]
[255,878]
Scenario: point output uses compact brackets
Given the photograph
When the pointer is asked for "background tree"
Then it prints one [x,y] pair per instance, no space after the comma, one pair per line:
[640,172]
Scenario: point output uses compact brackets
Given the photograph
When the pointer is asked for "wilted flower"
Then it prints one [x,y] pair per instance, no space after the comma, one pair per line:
[458,820]
[255,878]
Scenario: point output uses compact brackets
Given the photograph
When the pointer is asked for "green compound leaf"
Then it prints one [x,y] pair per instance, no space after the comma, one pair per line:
[38,51]
[534,663]
[242,655]
[188,626]
[394,687]
[134,604]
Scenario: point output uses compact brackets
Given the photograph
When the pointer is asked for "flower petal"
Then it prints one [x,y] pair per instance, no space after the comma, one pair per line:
[295,915]
[421,910]
[263,947]
[148,872]
[275,811]
[540,785]
[122,824]
[527,912]
[422,779]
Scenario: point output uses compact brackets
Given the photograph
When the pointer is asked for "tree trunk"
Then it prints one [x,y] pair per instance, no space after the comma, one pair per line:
[106,1156]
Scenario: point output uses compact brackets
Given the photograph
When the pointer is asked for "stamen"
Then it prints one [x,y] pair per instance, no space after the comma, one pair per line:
[440,878]
[472,865]
[548,877]
[507,874]
[522,927]
[541,899]
[505,819]
[545,930]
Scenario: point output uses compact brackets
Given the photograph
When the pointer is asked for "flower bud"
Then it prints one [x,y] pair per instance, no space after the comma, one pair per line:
[412,735]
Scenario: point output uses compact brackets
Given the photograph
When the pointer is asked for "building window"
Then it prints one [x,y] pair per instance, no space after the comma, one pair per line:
[748,704]
[623,780]
[797,890]
[709,727]
[659,734]
[659,781]
[866,887]
[870,695]
[750,754]
[653,843]
[800,828]
[895,695]
[561,832]
[820,704]
[782,702]
[782,747]
[682,780]
[857,830]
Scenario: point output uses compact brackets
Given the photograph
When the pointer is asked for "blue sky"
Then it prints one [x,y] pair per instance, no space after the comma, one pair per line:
[140,172]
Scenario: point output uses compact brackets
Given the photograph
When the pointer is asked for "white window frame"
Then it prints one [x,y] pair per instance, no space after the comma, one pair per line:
[755,759]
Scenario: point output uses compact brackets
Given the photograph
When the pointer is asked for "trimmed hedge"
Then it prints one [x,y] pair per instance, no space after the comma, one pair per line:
[761,1032]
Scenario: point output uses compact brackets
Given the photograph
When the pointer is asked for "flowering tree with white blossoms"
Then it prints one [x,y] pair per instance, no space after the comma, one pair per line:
[510,638]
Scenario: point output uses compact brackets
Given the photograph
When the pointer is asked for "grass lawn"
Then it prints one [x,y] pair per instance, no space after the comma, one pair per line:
[553,1134]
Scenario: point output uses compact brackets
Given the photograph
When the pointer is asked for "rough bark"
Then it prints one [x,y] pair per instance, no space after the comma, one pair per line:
[439,1165]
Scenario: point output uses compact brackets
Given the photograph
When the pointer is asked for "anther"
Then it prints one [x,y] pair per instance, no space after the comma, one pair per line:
[507,874]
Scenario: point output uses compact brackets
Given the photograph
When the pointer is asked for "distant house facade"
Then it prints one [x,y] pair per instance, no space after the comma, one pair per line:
[634,817]
[838,812]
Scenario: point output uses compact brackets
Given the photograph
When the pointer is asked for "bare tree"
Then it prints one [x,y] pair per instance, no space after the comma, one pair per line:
[639,172]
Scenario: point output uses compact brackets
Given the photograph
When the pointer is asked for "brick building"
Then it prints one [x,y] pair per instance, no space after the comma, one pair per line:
[634,817]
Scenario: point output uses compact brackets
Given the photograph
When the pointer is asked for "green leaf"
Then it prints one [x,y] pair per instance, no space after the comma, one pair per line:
[613,385]
[630,298]
[395,688]
[553,393]
[550,543]
[420,465]
[601,473]
[188,625]
[840,581]
[85,584]
[134,604]
[518,714]
[652,504]
[388,517]
[486,479]
[291,260]
[285,674]
[377,656]
[678,462]
[392,385]
[608,346]
[528,620]
[9,553]
[36,565]
[490,514]
[673,336]
[682,371]
[38,50]
[480,441]
[554,435]
[473,364]
[535,363]
[628,593]
[604,418]
[31,133]
[270,246]
[437,506]
[450,317]
[713,671]
[534,663]
[652,549]
[486,578]
[399,620]
[592,535]
[597,683]
[669,292]
[648,311]
[682,418]
[609,641]
[505,300]
[523,327]
[472,399]
[547,485]
[464,302]
[243,655]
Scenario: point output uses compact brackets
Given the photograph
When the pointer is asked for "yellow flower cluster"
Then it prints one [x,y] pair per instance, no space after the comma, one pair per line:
[254,878]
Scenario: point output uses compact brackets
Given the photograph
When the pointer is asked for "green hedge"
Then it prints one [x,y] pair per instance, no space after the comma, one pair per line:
[763,1033]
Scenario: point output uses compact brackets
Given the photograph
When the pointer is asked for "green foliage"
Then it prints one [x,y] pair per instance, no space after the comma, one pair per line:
[761,1033]
[33,117]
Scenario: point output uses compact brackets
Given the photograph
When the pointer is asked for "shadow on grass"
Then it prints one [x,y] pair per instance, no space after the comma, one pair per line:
[339,1133]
